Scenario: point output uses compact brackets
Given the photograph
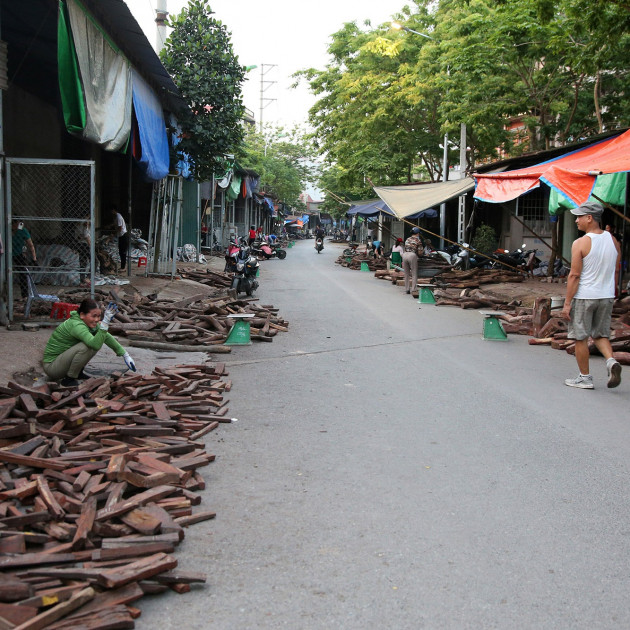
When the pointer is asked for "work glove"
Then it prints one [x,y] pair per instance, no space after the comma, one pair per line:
[108,315]
[129,361]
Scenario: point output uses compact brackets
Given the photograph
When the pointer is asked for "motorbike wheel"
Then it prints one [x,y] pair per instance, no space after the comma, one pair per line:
[281,254]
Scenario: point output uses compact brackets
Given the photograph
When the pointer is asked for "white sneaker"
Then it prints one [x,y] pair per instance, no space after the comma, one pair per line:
[614,373]
[583,382]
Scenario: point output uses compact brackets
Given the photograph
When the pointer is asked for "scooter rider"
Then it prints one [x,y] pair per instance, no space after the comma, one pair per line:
[320,233]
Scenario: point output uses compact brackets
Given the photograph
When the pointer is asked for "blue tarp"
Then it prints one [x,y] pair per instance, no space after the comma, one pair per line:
[429,213]
[370,209]
[154,161]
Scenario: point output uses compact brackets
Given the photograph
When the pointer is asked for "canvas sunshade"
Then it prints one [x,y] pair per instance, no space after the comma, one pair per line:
[406,201]
[572,175]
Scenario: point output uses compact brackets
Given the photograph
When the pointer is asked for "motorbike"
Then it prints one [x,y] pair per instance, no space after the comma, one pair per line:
[231,252]
[455,255]
[267,251]
[244,266]
[319,244]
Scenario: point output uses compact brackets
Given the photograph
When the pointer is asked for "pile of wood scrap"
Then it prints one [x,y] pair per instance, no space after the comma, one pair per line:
[473,278]
[470,298]
[197,323]
[549,329]
[97,486]
[220,280]
[354,261]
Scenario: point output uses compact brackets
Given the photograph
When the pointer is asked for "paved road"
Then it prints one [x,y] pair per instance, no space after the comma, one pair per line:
[390,469]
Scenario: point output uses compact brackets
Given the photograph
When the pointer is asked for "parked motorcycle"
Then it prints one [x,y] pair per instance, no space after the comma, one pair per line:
[231,253]
[319,244]
[456,255]
[267,251]
[244,266]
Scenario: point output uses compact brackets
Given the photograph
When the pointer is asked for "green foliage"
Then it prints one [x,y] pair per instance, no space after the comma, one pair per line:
[485,239]
[284,159]
[198,55]
[559,67]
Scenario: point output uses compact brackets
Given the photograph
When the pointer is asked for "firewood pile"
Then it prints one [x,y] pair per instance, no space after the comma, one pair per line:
[97,486]
[354,262]
[548,329]
[474,278]
[220,280]
[191,323]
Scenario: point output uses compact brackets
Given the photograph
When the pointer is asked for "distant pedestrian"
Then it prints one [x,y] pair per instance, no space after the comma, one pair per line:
[414,248]
[591,292]
[252,234]
[21,241]
[122,235]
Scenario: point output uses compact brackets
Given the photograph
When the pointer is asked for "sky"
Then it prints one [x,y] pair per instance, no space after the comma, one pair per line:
[291,34]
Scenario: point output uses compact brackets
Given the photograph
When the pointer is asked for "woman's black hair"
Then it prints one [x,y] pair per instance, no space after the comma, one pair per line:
[86,306]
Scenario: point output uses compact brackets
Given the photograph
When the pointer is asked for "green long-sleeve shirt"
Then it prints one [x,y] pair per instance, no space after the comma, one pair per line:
[73,331]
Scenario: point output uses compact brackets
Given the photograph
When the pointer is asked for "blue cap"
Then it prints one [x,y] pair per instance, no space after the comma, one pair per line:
[415,230]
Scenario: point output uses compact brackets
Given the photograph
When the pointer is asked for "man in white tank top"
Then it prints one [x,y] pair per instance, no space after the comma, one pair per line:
[591,293]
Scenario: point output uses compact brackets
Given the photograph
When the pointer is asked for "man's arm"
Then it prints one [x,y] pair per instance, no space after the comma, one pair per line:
[31,247]
[573,281]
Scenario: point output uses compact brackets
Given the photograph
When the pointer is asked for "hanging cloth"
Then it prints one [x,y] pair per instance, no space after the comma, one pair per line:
[234,188]
[154,158]
[70,87]
[105,78]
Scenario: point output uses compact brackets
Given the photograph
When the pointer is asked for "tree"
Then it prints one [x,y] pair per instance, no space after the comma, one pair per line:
[198,55]
[284,159]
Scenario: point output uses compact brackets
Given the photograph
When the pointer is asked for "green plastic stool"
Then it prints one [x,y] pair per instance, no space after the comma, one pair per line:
[425,295]
[239,334]
[348,259]
[289,245]
[364,266]
[492,328]
[258,273]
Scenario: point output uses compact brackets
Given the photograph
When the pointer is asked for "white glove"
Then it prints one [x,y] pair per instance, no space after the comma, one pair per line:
[108,315]
[129,361]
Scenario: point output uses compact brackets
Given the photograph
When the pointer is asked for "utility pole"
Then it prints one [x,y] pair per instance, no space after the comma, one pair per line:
[264,86]
[160,22]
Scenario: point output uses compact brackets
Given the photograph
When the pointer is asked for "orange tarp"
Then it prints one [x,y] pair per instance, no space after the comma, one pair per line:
[573,174]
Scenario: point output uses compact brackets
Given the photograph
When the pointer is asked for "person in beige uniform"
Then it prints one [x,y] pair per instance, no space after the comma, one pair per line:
[413,248]
[591,292]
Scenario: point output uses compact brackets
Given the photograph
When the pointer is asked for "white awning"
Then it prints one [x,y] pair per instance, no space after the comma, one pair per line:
[406,201]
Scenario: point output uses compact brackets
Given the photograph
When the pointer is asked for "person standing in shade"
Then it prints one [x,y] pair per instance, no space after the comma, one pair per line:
[20,242]
[591,292]
[413,248]
[123,237]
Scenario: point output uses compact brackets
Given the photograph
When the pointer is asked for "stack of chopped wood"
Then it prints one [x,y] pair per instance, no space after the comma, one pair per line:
[548,328]
[473,278]
[188,324]
[354,262]
[208,277]
[97,484]
[194,321]
[474,298]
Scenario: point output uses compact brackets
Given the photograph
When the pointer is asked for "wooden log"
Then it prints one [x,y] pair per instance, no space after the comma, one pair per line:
[53,614]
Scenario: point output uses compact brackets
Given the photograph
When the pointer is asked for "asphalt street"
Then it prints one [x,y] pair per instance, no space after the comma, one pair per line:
[391,469]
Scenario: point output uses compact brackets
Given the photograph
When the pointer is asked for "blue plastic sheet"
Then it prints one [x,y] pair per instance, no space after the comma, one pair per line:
[154,161]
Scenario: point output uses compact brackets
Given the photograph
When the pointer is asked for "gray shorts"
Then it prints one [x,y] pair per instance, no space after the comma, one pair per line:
[590,318]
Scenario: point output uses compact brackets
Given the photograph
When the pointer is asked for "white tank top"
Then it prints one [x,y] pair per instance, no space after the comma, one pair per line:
[597,280]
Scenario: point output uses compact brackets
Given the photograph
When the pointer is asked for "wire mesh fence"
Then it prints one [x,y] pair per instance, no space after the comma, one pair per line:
[50,207]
